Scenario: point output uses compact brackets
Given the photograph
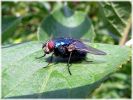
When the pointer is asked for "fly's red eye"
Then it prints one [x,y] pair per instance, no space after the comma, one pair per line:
[50,45]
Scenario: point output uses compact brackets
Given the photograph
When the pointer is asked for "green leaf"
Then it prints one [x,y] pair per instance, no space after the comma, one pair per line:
[117,16]
[9,25]
[64,22]
[24,76]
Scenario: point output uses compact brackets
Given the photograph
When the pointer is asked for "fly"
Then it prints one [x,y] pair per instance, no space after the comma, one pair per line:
[68,48]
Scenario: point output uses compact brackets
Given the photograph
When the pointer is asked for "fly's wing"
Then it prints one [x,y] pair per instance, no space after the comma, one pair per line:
[82,47]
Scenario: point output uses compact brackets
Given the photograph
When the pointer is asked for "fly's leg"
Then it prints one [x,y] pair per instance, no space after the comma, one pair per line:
[41,56]
[51,59]
[68,65]
[88,60]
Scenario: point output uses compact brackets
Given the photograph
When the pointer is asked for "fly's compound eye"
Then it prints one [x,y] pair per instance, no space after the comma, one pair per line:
[50,45]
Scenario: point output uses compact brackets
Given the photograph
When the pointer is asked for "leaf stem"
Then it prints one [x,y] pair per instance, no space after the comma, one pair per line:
[126,31]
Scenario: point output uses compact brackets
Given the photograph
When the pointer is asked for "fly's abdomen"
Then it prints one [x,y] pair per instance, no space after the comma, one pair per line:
[78,54]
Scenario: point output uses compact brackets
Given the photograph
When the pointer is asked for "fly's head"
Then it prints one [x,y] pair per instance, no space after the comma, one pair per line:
[48,47]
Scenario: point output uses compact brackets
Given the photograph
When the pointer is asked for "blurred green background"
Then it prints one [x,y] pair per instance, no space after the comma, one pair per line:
[22,19]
